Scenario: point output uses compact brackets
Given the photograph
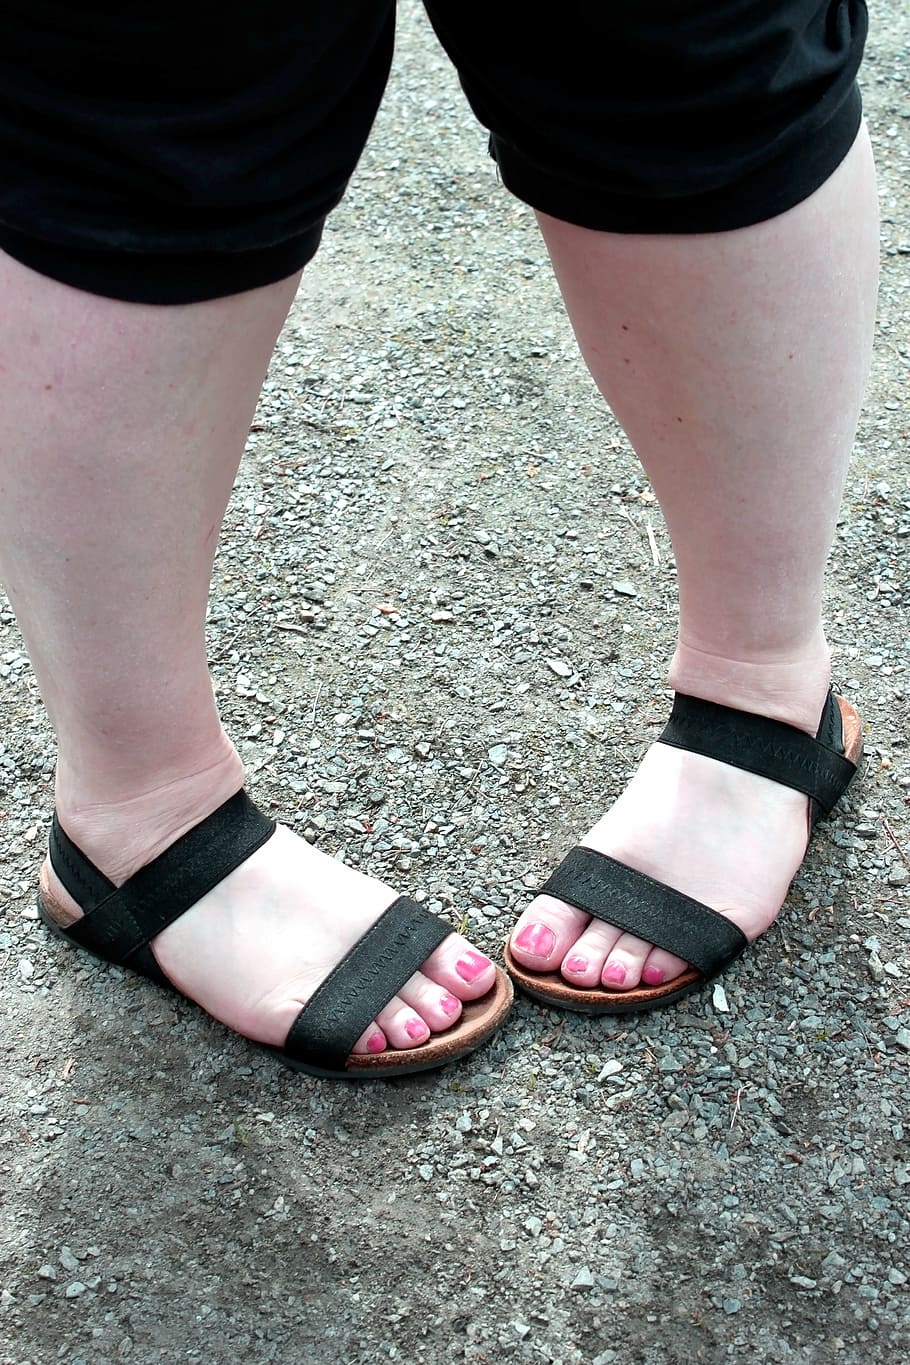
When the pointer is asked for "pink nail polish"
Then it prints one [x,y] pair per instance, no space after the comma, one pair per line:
[538,939]
[652,976]
[449,1005]
[576,964]
[616,972]
[416,1028]
[376,1043]
[471,966]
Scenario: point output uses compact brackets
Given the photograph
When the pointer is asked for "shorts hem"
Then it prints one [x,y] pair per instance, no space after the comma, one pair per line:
[781,183]
[166,279]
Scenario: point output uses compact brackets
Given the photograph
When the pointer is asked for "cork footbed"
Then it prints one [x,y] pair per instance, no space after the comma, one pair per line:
[478,1020]
[551,988]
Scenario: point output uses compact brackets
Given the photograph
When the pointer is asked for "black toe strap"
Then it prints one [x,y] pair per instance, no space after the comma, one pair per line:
[363,983]
[639,905]
[769,748]
[118,923]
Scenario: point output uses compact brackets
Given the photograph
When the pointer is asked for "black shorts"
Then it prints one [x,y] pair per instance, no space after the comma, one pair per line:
[168,153]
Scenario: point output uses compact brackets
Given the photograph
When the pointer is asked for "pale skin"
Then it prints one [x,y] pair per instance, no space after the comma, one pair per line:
[735,362]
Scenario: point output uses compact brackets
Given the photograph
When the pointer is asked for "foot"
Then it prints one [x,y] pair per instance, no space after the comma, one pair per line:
[255,948]
[725,837]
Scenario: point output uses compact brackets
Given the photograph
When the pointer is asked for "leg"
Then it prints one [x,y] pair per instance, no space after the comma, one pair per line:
[121,426]
[712,223]
[154,239]
[736,363]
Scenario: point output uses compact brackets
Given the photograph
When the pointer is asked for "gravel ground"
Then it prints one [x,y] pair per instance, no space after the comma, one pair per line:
[442,613]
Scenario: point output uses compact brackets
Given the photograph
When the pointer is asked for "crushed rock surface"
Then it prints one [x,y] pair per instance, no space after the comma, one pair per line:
[442,613]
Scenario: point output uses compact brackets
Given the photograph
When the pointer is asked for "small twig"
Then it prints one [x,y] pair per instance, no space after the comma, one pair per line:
[289,625]
[736,1104]
[655,553]
[893,837]
[315,704]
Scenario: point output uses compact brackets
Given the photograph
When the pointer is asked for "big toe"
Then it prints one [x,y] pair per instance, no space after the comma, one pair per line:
[458,968]
[545,932]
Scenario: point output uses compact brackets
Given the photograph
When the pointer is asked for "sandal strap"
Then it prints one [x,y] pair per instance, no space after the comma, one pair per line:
[118,922]
[640,905]
[363,983]
[817,767]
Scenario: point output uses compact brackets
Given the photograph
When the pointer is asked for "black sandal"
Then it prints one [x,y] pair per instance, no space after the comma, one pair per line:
[119,923]
[822,768]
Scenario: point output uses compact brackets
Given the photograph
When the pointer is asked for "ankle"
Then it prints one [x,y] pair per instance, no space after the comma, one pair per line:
[128,830]
[790,689]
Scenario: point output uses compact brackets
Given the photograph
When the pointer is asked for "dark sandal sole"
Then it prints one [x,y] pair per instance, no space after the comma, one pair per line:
[479,1020]
[551,988]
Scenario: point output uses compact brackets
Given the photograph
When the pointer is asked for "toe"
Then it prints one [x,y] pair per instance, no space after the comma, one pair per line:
[584,962]
[545,933]
[661,966]
[402,1025]
[623,967]
[371,1041]
[437,1006]
[459,969]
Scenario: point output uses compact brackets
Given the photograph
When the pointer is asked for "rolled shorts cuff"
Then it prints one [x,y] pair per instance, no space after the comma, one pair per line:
[166,278]
[779,184]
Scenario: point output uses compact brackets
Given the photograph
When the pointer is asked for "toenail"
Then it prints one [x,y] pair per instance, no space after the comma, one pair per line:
[652,975]
[449,1005]
[416,1028]
[615,971]
[376,1043]
[471,966]
[576,963]
[538,939]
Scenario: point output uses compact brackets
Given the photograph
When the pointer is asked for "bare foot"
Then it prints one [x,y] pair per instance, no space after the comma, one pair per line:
[723,836]
[255,948]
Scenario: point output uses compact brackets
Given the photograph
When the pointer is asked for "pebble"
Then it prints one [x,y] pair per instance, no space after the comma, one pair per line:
[560,668]
[583,1279]
[74,1289]
[610,1068]
[624,588]
[498,755]
[68,1260]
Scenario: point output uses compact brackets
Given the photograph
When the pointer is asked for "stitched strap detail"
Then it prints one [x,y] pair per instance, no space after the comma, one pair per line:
[766,747]
[117,923]
[363,983]
[82,879]
[632,901]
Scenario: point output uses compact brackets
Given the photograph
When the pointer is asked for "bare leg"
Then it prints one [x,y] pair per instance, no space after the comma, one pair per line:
[121,428]
[736,363]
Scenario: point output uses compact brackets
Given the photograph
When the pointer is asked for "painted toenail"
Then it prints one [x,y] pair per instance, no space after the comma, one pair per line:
[471,966]
[615,971]
[449,1005]
[576,963]
[538,939]
[652,975]
[376,1043]
[416,1028]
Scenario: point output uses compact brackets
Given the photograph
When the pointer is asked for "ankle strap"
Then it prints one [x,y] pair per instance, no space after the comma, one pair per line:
[766,747]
